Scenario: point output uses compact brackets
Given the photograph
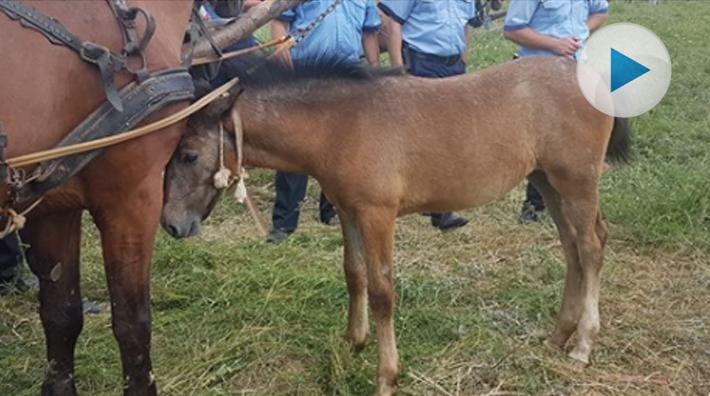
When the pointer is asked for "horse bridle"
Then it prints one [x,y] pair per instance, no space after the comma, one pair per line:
[123,109]
[108,62]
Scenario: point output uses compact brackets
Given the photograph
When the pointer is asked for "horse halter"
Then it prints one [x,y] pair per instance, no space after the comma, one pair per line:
[223,178]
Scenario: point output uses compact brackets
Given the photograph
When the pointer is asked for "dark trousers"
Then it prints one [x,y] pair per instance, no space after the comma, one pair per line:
[533,198]
[421,67]
[290,191]
[10,257]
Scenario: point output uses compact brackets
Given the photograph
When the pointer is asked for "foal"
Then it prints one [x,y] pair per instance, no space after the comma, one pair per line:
[385,146]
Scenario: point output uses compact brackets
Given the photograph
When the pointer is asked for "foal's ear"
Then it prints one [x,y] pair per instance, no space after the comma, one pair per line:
[224,103]
[202,87]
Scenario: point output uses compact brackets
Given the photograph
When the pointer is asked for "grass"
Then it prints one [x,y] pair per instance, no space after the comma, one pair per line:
[232,315]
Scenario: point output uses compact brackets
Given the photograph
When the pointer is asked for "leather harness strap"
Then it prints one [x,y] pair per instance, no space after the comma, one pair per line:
[149,92]
[140,100]
[108,62]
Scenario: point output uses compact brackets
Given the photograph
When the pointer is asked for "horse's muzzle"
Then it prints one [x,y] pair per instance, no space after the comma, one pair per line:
[189,226]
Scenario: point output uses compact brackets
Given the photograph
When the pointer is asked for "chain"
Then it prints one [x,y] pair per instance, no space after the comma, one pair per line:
[302,33]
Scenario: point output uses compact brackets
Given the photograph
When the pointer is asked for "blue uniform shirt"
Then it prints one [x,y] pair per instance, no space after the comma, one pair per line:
[339,35]
[435,27]
[555,18]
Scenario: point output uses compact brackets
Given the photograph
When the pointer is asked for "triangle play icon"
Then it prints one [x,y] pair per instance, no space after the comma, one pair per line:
[624,70]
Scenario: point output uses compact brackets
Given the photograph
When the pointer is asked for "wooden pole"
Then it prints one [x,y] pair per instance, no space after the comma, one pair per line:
[246,24]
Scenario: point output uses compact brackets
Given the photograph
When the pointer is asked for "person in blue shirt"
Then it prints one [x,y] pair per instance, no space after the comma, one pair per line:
[550,28]
[343,36]
[221,12]
[429,38]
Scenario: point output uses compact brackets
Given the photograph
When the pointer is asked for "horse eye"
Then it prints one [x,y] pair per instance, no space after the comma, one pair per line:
[189,157]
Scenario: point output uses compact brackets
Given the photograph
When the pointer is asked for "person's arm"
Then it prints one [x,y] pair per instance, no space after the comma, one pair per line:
[467,40]
[596,20]
[371,48]
[280,29]
[370,27]
[528,38]
[598,13]
[397,12]
[394,42]
[517,29]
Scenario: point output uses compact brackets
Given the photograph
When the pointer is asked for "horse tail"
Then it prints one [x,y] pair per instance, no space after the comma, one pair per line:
[619,142]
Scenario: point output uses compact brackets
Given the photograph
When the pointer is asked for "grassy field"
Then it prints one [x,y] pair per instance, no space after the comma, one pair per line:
[233,315]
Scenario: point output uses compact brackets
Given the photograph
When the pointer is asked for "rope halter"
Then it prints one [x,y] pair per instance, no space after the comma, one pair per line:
[223,178]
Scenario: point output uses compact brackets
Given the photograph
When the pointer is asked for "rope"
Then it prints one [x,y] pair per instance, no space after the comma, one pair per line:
[282,44]
[233,54]
[16,221]
[96,144]
[223,177]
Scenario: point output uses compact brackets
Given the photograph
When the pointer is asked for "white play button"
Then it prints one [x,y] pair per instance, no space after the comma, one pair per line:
[624,70]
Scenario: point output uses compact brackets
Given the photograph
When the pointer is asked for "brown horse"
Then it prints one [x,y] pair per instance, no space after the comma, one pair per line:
[46,90]
[385,146]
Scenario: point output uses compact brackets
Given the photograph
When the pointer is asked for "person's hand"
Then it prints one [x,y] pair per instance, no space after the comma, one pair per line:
[566,46]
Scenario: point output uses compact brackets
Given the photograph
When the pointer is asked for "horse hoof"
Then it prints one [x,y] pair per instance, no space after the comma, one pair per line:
[358,345]
[63,387]
[579,357]
[386,389]
[552,346]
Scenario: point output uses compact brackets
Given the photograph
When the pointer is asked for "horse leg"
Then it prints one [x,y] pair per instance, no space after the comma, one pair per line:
[376,229]
[54,258]
[580,206]
[571,308]
[356,278]
[128,229]
[592,238]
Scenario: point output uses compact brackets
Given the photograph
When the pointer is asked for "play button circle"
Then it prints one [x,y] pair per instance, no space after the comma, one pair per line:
[624,70]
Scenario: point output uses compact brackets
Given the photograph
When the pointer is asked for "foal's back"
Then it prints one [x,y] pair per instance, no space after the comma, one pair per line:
[453,143]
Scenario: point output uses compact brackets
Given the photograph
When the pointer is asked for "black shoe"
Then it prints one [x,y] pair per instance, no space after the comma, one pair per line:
[90,307]
[277,236]
[529,214]
[448,221]
[331,221]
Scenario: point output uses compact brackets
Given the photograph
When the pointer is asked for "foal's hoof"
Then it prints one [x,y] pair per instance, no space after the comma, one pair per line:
[556,340]
[358,347]
[552,345]
[386,389]
[580,357]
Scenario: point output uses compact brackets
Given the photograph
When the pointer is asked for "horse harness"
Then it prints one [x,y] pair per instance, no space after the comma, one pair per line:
[123,109]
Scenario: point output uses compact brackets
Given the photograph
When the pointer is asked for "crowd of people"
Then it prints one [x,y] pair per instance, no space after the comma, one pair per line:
[428,38]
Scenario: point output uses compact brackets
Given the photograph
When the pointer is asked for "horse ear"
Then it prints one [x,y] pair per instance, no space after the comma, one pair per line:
[224,103]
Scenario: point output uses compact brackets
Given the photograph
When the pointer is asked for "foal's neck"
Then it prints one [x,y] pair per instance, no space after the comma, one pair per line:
[282,135]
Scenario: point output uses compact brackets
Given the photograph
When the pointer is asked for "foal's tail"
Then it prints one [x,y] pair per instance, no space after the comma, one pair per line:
[619,141]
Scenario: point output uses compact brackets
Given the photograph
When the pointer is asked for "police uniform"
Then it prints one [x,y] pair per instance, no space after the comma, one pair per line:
[554,18]
[433,34]
[337,38]
[433,42]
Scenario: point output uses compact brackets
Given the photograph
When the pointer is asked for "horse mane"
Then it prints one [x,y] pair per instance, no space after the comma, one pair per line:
[258,73]
[261,72]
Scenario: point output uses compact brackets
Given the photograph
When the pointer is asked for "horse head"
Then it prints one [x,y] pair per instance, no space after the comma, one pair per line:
[191,190]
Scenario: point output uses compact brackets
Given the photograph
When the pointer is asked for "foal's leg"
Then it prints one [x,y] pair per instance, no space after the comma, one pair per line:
[376,228]
[586,216]
[571,308]
[54,258]
[356,277]
[580,206]
[128,229]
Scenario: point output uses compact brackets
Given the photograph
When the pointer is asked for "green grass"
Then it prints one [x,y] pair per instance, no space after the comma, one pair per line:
[232,315]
